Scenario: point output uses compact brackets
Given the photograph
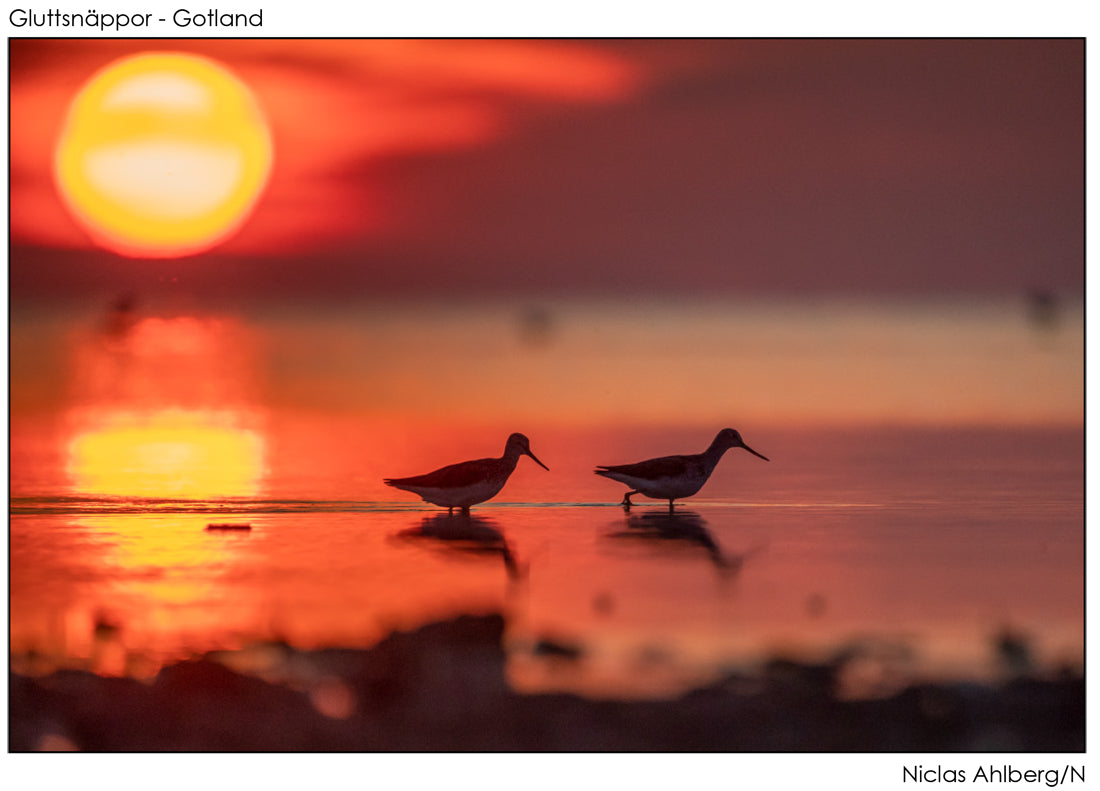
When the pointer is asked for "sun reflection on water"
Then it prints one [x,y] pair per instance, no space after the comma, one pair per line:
[165,407]
[122,595]
[168,453]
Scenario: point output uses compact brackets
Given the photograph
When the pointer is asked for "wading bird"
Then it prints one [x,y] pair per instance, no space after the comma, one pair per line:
[468,482]
[674,477]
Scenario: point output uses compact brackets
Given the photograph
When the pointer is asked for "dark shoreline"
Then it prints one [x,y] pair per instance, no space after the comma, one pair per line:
[442,688]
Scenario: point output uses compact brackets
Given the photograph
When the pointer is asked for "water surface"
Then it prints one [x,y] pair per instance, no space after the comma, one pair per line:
[923,507]
[878,553]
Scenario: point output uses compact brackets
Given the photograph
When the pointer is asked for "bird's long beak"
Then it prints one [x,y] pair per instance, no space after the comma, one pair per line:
[754,453]
[532,455]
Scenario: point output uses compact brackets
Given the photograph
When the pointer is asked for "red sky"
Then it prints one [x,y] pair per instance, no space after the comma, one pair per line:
[608,167]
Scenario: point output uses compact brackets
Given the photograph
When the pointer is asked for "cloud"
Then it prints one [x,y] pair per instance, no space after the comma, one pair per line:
[644,165]
[333,105]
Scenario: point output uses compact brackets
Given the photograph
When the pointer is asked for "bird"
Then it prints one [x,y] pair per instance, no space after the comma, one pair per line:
[674,477]
[467,482]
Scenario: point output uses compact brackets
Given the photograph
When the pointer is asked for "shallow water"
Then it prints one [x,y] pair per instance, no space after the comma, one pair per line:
[914,550]
[951,548]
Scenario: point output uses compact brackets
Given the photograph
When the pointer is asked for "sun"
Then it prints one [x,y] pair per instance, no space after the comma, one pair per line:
[163,154]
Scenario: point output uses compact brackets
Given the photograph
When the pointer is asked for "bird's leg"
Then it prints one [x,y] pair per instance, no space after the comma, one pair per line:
[450,510]
[465,510]
[670,506]
[626,500]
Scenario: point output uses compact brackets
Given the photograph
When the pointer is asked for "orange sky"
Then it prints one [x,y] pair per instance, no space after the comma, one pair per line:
[625,166]
[332,106]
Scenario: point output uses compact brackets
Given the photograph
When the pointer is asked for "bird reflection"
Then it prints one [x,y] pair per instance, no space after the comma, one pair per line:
[461,532]
[682,527]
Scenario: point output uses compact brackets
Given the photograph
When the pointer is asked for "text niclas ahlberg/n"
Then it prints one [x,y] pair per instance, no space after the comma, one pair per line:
[1005,773]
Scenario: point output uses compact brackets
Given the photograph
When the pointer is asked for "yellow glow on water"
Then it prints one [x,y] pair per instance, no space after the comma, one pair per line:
[156,582]
[162,155]
[170,453]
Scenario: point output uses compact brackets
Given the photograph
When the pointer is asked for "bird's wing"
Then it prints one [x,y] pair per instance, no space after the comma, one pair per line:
[663,467]
[465,473]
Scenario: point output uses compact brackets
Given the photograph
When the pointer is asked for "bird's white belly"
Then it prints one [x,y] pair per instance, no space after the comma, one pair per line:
[460,496]
[663,488]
